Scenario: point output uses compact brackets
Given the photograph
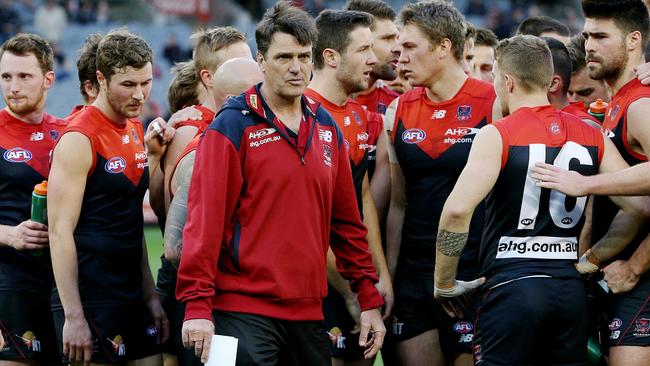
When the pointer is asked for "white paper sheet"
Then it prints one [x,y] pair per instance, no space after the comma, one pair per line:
[223,351]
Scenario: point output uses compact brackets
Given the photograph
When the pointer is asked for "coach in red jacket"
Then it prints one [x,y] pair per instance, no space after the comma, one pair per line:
[271,189]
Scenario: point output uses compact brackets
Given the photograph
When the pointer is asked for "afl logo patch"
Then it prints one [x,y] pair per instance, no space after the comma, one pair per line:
[615,324]
[413,136]
[17,155]
[115,165]
[463,327]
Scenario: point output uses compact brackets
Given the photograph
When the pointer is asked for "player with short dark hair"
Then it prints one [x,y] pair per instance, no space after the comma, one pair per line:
[541,26]
[560,83]
[185,88]
[616,37]
[87,68]
[27,139]
[484,43]
[532,305]
[87,72]
[105,307]
[378,96]
[582,87]
[342,66]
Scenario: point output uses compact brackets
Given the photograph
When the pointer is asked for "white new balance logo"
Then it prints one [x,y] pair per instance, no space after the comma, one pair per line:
[439,114]
[325,135]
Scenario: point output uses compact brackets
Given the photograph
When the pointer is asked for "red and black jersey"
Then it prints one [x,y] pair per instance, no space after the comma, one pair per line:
[378,99]
[108,235]
[207,115]
[432,143]
[357,134]
[376,102]
[78,108]
[578,109]
[529,230]
[25,149]
[615,127]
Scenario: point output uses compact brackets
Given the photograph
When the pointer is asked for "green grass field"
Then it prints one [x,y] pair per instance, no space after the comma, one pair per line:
[154,247]
[155,250]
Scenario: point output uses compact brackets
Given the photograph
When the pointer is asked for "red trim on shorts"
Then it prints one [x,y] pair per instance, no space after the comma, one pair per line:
[632,321]
[91,322]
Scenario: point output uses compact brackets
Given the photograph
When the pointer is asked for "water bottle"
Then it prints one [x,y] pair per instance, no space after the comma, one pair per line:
[597,109]
[39,209]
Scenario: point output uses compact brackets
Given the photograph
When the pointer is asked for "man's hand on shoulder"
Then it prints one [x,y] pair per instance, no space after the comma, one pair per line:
[157,137]
[185,114]
[643,73]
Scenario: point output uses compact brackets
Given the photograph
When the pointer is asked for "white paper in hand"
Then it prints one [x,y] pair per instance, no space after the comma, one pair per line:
[223,351]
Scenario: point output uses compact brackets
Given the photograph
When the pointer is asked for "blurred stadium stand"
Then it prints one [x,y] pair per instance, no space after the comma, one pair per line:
[156,20]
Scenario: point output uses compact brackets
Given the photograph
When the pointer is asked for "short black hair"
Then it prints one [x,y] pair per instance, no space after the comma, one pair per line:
[628,15]
[334,27]
[576,48]
[485,37]
[561,61]
[285,18]
[86,63]
[376,8]
[541,24]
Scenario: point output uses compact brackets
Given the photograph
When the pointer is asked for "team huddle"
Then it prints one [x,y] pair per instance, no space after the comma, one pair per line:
[369,179]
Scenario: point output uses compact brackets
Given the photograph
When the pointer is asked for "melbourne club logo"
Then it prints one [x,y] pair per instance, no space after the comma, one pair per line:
[464,112]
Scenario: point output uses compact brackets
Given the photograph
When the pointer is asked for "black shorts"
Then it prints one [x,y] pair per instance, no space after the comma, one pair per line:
[27,327]
[339,324]
[532,321]
[629,316]
[266,341]
[119,333]
[166,289]
[416,311]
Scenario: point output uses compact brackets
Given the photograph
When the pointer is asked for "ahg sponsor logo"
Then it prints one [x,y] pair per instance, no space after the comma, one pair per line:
[261,133]
[461,131]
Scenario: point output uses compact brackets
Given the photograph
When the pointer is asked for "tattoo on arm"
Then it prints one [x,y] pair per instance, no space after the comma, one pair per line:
[177,215]
[451,244]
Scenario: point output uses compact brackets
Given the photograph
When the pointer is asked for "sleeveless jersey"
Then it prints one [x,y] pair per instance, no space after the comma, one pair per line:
[108,236]
[207,115]
[529,230]
[578,109]
[25,151]
[432,143]
[351,119]
[378,99]
[203,123]
[615,127]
